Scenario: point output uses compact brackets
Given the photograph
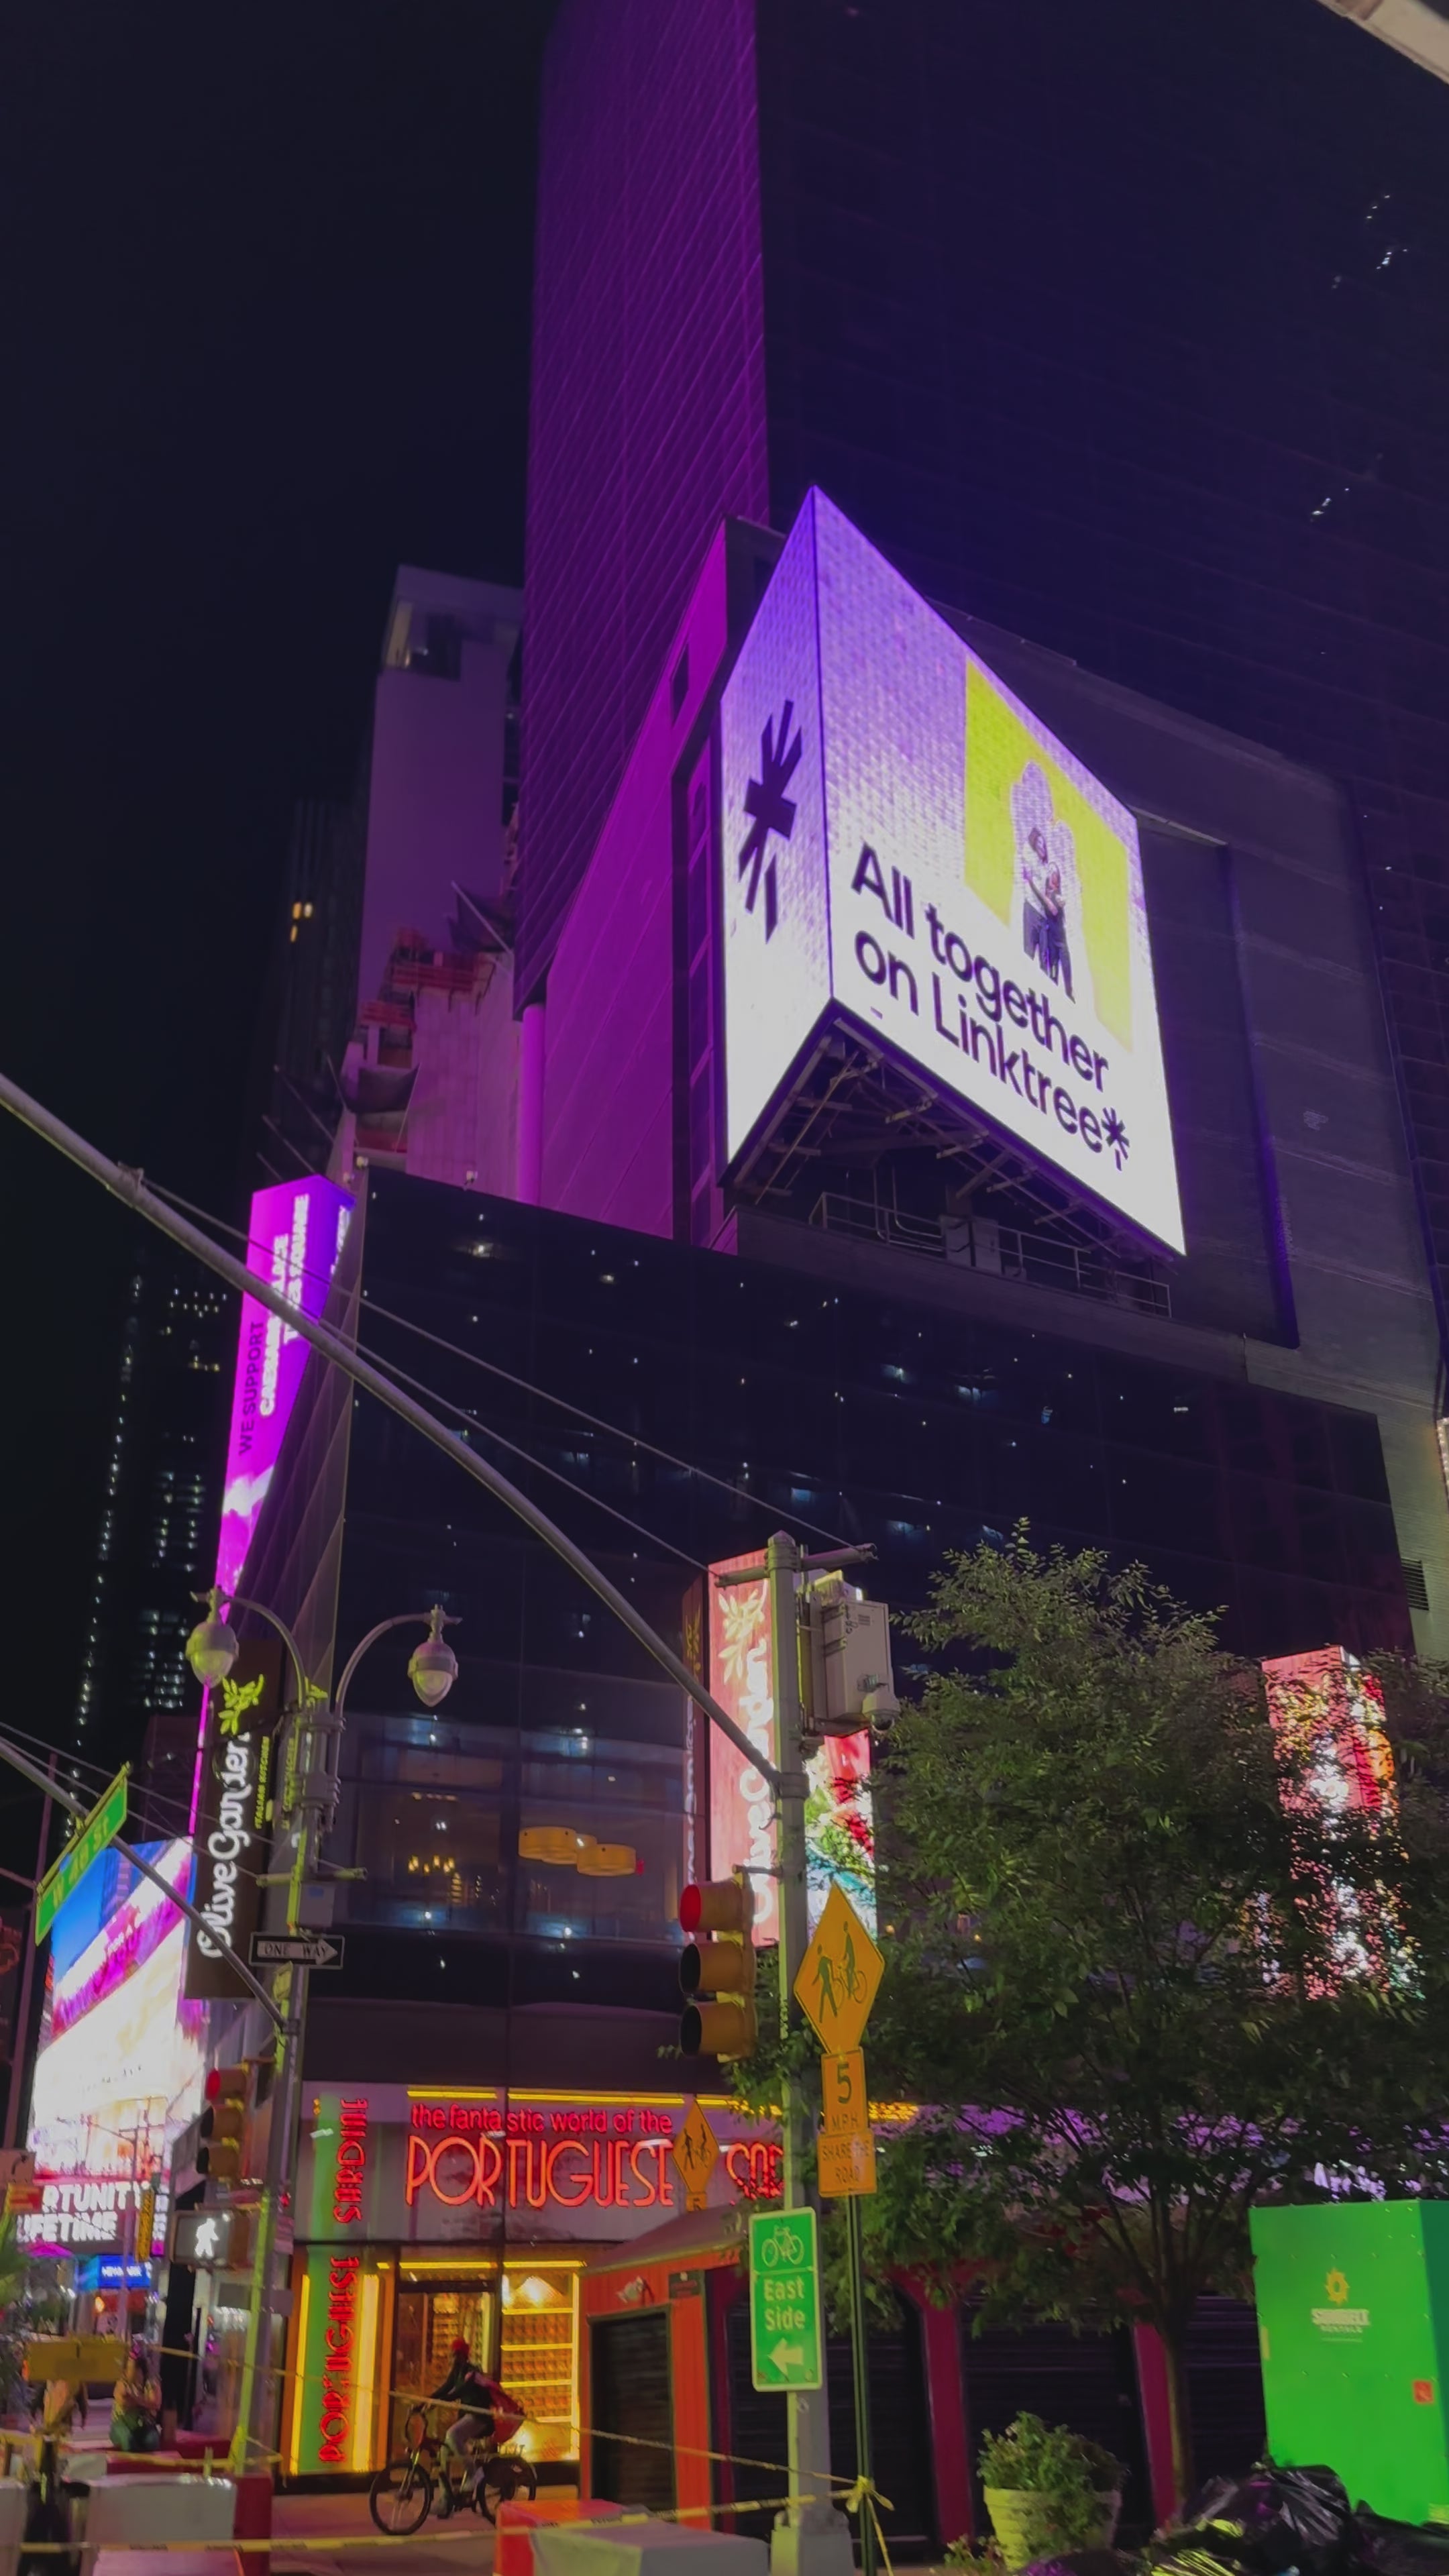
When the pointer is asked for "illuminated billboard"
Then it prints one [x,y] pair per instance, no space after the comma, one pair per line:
[839,1827]
[121,2059]
[295,1234]
[907,846]
[1328,1716]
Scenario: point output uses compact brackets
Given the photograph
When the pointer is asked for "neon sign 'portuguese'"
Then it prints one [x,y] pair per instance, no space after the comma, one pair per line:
[567,2173]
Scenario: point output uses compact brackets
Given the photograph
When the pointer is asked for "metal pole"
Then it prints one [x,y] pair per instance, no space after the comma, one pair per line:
[860,2375]
[311,1773]
[810,2538]
[21,2041]
[130,1188]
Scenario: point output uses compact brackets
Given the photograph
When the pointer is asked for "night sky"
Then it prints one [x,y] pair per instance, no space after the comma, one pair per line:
[265,321]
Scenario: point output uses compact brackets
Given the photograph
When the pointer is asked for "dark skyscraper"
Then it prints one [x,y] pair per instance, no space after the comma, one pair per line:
[157,1539]
[1125,329]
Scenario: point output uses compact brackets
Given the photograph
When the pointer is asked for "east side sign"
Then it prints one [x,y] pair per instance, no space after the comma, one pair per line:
[380,2163]
[906,848]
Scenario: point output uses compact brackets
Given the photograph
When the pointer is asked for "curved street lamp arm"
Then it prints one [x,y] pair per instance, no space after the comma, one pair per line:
[404,1619]
[42,1779]
[306,1690]
[130,1187]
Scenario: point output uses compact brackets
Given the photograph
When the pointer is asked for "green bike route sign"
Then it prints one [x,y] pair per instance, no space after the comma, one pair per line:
[785,2343]
[87,1844]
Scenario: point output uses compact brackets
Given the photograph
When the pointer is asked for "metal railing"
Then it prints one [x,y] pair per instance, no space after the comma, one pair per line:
[1002,1251]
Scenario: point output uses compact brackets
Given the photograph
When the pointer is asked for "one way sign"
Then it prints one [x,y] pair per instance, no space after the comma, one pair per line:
[296,1950]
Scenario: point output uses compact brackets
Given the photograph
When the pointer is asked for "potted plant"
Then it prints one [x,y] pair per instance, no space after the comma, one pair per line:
[1048,2489]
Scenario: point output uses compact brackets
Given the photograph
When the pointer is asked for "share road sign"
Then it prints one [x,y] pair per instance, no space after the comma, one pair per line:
[87,1843]
[785,2344]
[297,1950]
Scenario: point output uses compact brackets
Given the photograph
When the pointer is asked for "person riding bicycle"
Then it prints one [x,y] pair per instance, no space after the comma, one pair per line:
[478,2395]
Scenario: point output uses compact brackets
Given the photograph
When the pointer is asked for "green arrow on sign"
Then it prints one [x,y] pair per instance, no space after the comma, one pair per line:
[785,2343]
[86,1844]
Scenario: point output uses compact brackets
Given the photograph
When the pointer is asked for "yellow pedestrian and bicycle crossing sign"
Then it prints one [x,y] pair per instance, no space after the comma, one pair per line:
[696,2153]
[839,1976]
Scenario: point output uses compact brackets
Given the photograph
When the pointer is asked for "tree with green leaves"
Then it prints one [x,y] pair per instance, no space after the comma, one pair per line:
[1143,1966]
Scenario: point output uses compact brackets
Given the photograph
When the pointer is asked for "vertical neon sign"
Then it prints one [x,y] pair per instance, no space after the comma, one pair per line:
[295,1233]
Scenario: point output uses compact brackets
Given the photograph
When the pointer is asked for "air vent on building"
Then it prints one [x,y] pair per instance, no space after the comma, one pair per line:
[1415,1586]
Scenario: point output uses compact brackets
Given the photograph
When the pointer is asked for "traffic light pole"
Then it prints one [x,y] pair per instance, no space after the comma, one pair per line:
[811,2538]
[814,2539]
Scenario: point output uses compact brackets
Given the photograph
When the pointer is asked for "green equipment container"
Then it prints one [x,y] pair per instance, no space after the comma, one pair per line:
[1353,2323]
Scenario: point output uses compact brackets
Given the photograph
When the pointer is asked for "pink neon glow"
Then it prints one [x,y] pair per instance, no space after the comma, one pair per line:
[296,1231]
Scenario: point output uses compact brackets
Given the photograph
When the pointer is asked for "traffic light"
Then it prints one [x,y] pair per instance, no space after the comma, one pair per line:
[221,2154]
[721,1965]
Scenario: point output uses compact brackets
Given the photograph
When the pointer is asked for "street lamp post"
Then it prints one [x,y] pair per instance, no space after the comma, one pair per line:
[799,2542]
[307,1801]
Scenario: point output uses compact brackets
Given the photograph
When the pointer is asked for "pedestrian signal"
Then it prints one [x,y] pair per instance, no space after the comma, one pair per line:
[223,2123]
[721,1965]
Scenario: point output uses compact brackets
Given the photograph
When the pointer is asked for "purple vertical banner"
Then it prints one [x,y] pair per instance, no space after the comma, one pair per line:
[295,1233]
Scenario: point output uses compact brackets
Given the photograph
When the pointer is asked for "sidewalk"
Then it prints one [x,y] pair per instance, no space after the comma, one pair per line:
[344,2520]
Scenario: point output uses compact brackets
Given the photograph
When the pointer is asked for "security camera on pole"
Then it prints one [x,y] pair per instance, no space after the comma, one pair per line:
[821,1630]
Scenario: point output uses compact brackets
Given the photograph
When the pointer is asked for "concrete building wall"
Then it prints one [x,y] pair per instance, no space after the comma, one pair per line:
[435,794]
[462,1117]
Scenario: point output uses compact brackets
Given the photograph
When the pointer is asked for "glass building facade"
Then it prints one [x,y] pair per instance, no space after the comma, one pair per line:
[719,1399]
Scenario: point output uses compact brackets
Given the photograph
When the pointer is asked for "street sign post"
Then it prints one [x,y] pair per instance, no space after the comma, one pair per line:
[785,2341]
[839,1976]
[838,1982]
[296,1950]
[86,1844]
[696,2153]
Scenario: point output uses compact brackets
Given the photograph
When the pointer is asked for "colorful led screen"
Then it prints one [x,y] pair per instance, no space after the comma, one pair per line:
[839,1825]
[906,845]
[295,1234]
[121,2059]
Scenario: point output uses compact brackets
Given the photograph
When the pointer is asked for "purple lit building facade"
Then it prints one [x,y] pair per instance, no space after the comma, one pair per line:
[1122,329]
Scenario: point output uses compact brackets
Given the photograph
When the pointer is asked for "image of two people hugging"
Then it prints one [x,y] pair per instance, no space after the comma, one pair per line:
[1045,857]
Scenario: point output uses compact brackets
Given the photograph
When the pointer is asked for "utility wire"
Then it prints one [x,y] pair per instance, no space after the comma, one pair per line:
[441,1404]
[474,1359]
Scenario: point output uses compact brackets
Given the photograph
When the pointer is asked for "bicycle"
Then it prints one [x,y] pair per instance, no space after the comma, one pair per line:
[427,2480]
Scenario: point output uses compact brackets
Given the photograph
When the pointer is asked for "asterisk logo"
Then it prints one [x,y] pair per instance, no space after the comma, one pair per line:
[1116,1135]
[771,810]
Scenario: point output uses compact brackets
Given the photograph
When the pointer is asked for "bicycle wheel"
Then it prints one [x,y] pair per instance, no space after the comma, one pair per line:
[400,2495]
[504,2478]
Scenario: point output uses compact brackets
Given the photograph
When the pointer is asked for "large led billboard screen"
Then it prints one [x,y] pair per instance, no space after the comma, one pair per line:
[121,2059]
[839,1816]
[907,845]
[293,1240]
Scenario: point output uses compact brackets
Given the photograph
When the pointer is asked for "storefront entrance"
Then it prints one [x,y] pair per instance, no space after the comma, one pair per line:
[519,2322]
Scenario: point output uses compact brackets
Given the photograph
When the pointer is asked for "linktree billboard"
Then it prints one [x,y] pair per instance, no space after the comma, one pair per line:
[907,847]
